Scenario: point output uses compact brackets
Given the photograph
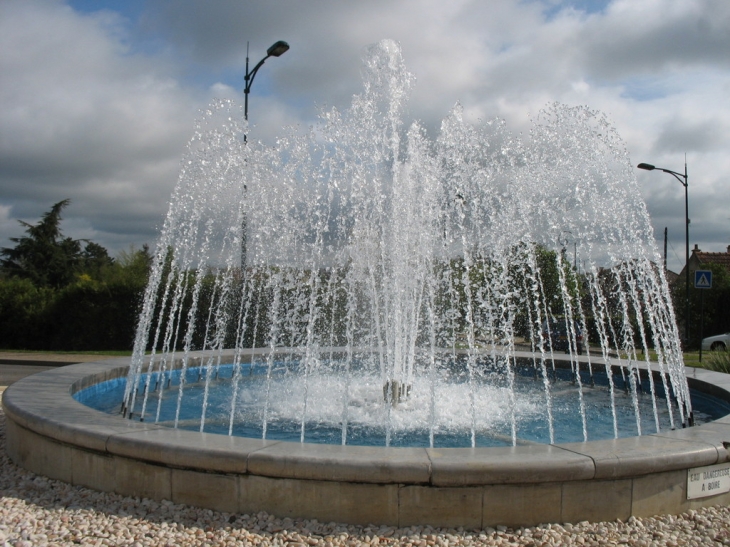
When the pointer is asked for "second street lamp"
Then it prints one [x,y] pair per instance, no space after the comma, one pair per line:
[684,180]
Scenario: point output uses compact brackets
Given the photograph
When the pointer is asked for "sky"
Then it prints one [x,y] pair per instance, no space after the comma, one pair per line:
[99,98]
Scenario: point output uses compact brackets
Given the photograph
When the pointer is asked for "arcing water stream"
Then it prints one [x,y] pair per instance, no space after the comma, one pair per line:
[403,273]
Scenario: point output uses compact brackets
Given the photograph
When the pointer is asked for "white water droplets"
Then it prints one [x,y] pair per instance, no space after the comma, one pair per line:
[373,252]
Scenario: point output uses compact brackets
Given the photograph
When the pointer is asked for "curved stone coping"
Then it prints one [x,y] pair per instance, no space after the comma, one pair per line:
[43,404]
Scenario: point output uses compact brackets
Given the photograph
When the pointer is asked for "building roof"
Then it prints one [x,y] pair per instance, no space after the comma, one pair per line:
[700,258]
[722,259]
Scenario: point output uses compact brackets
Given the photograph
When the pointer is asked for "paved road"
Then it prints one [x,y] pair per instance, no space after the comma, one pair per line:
[14,366]
[12,373]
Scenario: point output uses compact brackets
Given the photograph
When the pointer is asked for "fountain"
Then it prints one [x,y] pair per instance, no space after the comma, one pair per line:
[397,292]
[367,240]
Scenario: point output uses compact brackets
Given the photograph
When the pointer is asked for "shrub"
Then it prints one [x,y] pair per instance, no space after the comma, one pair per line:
[23,314]
[719,361]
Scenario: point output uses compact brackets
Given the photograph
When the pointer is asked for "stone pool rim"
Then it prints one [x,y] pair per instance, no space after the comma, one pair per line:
[50,433]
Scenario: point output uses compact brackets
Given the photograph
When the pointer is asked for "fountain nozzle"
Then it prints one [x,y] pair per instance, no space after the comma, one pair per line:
[395,392]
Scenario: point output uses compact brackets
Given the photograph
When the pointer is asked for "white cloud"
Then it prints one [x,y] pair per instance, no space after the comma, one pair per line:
[83,119]
[98,107]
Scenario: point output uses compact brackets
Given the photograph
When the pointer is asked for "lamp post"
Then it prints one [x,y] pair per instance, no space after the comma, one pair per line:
[684,181]
[564,242]
[277,49]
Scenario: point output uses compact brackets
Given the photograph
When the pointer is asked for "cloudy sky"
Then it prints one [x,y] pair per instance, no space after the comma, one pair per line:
[98,98]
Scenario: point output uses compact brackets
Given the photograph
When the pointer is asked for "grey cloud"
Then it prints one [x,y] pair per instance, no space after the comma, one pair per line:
[642,37]
[691,136]
[98,108]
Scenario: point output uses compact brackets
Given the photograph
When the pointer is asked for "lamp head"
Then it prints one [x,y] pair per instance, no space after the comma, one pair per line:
[646,166]
[278,49]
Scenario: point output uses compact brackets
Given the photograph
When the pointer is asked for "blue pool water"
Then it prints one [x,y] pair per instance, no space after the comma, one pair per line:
[448,410]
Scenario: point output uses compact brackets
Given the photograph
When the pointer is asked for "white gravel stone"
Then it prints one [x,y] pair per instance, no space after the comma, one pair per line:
[36,511]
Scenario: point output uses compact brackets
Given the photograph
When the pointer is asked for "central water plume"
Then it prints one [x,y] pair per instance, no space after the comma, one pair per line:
[366,252]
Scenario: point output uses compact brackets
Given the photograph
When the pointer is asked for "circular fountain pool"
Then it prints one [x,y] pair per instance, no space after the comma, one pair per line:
[50,433]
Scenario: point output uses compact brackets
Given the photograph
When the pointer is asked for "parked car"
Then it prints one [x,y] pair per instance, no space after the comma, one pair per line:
[558,335]
[719,342]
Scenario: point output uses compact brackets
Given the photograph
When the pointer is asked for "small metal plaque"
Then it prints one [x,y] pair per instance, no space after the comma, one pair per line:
[708,481]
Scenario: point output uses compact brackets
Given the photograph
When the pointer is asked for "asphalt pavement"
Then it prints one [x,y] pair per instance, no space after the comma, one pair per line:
[16,365]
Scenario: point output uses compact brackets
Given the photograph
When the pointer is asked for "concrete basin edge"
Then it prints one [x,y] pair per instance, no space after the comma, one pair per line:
[43,404]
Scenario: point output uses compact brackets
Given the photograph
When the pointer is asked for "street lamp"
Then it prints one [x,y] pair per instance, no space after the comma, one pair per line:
[684,180]
[276,50]
[564,242]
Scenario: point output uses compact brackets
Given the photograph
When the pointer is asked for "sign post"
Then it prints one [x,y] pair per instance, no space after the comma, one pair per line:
[703,280]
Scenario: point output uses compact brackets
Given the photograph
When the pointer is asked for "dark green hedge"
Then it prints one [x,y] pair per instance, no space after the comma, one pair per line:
[84,316]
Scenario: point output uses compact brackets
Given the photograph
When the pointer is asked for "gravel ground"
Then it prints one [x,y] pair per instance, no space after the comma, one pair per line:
[36,511]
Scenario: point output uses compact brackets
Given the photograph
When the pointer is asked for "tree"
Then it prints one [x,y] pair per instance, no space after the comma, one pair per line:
[713,311]
[58,293]
[134,265]
[44,256]
[95,260]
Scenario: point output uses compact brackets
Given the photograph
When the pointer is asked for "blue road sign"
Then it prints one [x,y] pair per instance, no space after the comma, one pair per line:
[703,279]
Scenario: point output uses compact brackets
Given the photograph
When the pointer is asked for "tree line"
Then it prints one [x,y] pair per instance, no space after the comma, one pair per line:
[64,294]
[60,293]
